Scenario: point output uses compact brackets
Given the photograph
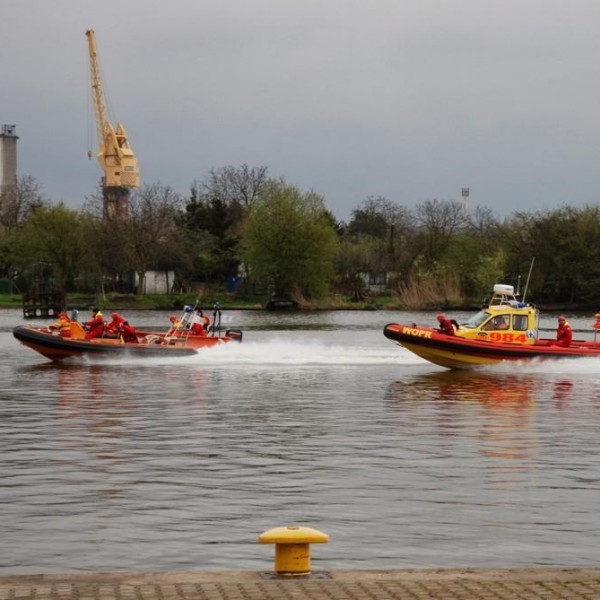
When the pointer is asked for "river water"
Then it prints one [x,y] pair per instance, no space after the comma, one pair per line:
[315,419]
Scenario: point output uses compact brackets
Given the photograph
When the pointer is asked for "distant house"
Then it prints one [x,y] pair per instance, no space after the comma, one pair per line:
[157,282]
[376,283]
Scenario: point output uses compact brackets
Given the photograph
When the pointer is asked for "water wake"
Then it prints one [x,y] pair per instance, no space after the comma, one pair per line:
[561,366]
[279,352]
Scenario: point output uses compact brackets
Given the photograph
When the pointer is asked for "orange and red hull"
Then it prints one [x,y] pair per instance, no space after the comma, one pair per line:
[57,348]
[455,352]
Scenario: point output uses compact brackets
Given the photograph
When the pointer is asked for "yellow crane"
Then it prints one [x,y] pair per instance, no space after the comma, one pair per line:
[115,156]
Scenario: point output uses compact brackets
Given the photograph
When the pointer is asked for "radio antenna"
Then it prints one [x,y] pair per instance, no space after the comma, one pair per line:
[528,276]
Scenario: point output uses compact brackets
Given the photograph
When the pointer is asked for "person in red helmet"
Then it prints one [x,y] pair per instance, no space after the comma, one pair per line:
[113,327]
[95,327]
[128,332]
[445,325]
[200,323]
[564,333]
[62,323]
[175,326]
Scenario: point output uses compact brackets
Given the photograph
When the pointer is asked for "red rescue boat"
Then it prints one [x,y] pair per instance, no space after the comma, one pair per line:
[180,340]
[506,330]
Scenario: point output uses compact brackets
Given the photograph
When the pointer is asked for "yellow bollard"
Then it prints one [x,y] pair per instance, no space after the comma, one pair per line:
[292,552]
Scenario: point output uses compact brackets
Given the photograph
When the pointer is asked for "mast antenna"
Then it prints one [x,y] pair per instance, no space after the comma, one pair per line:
[528,276]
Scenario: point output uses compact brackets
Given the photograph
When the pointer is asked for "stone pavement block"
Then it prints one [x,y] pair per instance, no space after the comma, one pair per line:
[409,584]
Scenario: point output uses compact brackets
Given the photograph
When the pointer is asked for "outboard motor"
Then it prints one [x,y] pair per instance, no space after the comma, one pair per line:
[234,334]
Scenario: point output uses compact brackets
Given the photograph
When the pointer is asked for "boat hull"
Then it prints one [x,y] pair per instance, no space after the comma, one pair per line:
[455,352]
[57,348]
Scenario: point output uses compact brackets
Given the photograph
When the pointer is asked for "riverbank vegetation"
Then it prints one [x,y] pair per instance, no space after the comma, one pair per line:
[243,238]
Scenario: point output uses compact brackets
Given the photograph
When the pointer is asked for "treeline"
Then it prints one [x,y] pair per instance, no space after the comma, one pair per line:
[243,229]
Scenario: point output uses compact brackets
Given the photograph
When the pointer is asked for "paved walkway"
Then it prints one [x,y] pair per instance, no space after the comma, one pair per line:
[443,584]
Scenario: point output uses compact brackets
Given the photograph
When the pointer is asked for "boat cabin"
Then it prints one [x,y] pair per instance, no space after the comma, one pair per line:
[505,319]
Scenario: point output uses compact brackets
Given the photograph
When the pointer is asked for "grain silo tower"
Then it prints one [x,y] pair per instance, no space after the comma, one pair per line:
[8,156]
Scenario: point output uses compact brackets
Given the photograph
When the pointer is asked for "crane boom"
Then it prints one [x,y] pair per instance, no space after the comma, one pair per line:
[115,156]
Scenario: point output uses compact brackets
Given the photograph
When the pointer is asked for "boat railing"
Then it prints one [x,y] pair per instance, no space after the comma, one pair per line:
[504,295]
[504,300]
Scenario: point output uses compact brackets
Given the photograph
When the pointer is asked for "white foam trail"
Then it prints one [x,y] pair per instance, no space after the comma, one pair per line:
[299,353]
[283,353]
[278,352]
[561,366]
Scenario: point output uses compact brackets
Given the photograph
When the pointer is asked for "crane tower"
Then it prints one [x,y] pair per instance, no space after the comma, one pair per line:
[120,171]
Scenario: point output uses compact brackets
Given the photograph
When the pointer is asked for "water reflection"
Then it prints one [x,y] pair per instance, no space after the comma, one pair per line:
[150,465]
[496,411]
[562,392]
[458,386]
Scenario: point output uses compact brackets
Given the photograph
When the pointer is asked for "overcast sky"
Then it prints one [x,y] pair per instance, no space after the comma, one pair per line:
[407,99]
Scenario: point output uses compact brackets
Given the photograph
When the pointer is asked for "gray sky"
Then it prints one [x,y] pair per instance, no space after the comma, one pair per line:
[408,99]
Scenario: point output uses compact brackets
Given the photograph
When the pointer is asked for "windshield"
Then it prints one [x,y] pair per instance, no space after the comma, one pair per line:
[476,320]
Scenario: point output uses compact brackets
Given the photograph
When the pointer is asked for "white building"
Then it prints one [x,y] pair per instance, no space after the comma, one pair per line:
[155,282]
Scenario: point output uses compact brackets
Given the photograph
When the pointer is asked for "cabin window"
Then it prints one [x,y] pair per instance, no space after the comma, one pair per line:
[498,322]
[520,322]
[475,321]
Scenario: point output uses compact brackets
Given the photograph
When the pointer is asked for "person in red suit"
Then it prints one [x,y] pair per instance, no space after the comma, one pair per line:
[113,326]
[95,327]
[564,333]
[200,323]
[128,332]
[445,325]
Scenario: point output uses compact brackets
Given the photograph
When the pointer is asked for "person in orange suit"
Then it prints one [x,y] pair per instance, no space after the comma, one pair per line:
[62,323]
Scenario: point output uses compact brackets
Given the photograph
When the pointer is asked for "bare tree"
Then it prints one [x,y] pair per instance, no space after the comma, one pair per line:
[152,227]
[438,221]
[18,201]
[483,223]
[234,185]
[389,227]
[376,216]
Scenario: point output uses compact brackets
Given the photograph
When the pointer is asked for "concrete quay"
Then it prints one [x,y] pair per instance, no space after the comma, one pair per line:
[547,583]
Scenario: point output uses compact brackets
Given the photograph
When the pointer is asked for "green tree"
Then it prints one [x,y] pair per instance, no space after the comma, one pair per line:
[8,254]
[384,229]
[17,202]
[356,259]
[564,244]
[289,242]
[476,254]
[217,207]
[55,236]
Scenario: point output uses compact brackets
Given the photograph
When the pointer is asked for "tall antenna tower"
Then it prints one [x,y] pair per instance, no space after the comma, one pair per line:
[465,196]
